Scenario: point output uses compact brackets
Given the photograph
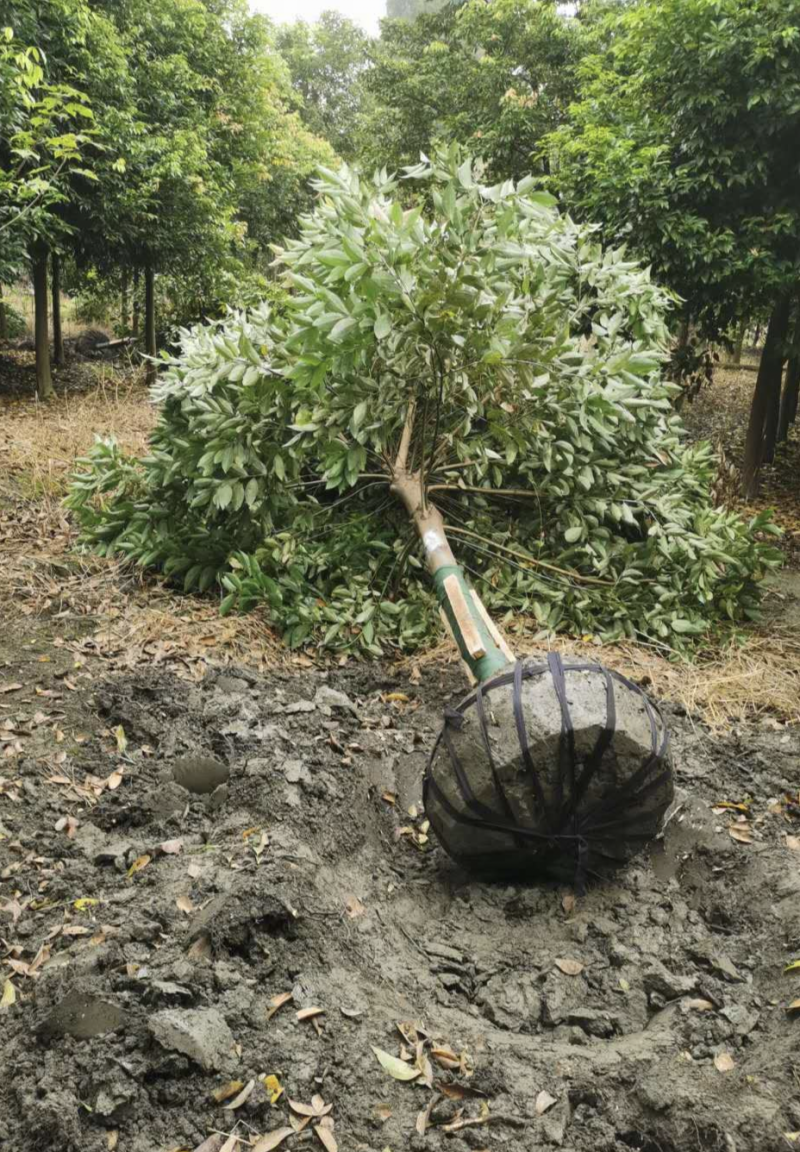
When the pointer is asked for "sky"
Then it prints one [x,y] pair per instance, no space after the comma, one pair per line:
[367,13]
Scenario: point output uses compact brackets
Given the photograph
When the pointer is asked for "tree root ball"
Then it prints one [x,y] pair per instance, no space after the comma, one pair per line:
[555,768]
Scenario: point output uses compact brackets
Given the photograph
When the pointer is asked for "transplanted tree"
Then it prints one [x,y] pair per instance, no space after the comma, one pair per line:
[481,371]
[684,142]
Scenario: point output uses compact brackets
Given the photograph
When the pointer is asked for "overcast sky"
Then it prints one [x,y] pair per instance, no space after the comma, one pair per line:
[367,13]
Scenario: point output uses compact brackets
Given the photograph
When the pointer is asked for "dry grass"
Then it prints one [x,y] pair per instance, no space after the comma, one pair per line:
[128,619]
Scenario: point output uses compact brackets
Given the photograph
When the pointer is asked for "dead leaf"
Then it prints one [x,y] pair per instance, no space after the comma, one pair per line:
[230,1143]
[274,1088]
[389,797]
[9,688]
[382,1112]
[9,996]
[740,833]
[122,739]
[424,1117]
[794,1006]
[310,1013]
[171,847]
[114,780]
[278,1002]
[139,863]
[568,902]
[793,967]
[227,1090]
[326,1138]
[272,1140]
[396,697]
[352,1013]
[569,967]
[697,1006]
[354,907]
[84,902]
[184,904]
[112,1139]
[243,1096]
[396,1067]
[724,1062]
[793,843]
[447,1058]
[544,1101]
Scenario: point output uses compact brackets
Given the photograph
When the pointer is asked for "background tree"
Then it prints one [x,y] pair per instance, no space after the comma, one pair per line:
[326,61]
[685,142]
[410,9]
[494,77]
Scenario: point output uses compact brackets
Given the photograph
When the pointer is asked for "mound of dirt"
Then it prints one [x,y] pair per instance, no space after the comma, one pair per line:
[184,965]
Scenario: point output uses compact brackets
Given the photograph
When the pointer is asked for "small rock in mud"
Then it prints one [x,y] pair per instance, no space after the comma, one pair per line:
[326,699]
[81,1015]
[202,1034]
[201,775]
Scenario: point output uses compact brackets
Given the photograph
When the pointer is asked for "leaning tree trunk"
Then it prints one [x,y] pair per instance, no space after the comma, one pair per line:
[124,306]
[136,303]
[765,397]
[150,323]
[44,379]
[58,341]
[789,397]
[3,322]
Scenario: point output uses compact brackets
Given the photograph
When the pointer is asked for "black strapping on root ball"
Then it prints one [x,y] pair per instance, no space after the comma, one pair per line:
[549,818]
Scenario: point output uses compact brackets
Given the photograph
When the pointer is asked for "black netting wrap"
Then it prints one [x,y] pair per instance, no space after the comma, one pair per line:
[503,794]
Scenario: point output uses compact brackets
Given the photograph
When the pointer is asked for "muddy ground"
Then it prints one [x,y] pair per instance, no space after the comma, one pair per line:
[148,932]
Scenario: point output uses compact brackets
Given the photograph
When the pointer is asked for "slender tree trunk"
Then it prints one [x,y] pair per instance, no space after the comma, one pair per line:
[791,387]
[150,322]
[683,333]
[740,335]
[3,322]
[767,386]
[124,309]
[136,302]
[58,342]
[44,379]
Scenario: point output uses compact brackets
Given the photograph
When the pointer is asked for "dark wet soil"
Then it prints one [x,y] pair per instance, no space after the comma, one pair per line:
[147,931]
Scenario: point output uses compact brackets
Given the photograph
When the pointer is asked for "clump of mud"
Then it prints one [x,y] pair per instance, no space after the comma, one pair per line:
[169,954]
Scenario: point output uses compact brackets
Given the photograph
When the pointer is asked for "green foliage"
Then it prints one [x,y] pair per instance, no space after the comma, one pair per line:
[494,77]
[410,9]
[678,143]
[531,358]
[326,61]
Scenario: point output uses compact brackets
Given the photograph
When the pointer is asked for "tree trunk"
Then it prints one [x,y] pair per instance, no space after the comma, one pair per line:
[58,342]
[683,333]
[136,303]
[124,308]
[150,322]
[44,379]
[739,345]
[767,387]
[3,322]
[791,387]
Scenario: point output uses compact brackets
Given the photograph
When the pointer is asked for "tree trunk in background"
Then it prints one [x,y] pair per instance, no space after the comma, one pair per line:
[136,298]
[150,322]
[739,345]
[771,418]
[58,342]
[44,379]
[124,309]
[683,333]
[791,387]
[767,386]
[3,322]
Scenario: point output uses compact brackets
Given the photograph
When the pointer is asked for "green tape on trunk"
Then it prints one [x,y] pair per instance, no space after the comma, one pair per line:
[494,660]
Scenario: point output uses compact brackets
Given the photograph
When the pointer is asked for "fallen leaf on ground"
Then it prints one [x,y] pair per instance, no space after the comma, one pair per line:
[171,847]
[310,1013]
[274,1088]
[724,1062]
[424,1117]
[544,1101]
[201,949]
[114,780]
[272,1139]
[243,1096]
[794,1006]
[184,903]
[122,739]
[446,1057]
[84,902]
[227,1090]
[9,996]
[396,1067]
[326,1138]
[278,1002]
[793,843]
[112,1139]
[793,967]
[389,797]
[741,833]
[568,902]
[398,697]
[139,863]
[230,1143]
[569,967]
[697,1006]
[352,1013]
[354,907]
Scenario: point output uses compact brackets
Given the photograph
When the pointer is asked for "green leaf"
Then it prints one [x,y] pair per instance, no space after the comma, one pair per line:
[397,1068]
[383,326]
